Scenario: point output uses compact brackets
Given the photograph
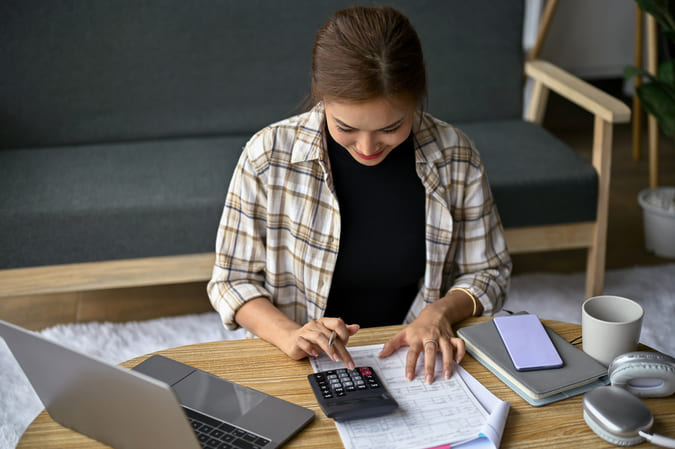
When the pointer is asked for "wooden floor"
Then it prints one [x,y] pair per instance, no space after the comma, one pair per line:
[625,240]
[625,236]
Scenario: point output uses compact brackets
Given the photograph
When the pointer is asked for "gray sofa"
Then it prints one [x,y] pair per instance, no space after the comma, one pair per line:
[121,121]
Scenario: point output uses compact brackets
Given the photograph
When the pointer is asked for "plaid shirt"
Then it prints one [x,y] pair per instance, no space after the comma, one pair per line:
[279,234]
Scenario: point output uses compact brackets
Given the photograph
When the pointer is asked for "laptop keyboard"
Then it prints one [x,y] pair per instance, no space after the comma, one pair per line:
[215,434]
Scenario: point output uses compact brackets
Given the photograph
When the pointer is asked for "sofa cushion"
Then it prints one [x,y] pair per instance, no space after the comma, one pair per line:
[100,202]
[536,179]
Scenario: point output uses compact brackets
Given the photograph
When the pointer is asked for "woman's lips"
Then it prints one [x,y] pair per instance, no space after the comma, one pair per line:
[370,157]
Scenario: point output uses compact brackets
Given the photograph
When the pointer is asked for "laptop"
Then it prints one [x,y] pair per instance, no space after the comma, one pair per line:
[159,403]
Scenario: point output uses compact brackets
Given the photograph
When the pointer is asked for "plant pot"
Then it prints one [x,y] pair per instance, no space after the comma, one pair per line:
[658,212]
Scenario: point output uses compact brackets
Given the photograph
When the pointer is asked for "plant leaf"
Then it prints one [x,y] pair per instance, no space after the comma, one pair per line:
[631,71]
[661,10]
[659,102]
[667,72]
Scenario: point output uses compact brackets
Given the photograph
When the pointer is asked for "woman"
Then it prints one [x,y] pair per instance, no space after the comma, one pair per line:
[363,211]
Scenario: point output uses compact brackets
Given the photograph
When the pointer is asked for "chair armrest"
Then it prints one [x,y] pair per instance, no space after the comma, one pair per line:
[606,110]
[577,91]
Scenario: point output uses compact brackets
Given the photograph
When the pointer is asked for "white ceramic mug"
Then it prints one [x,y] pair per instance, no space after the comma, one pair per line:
[610,326]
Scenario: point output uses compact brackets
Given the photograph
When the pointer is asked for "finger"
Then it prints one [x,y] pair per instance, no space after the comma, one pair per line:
[460,348]
[411,361]
[318,334]
[333,350]
[392,345]
[447,351]
[343,354]
[352,329]
[430,350]
[338,325]
[307,347]
[338,335]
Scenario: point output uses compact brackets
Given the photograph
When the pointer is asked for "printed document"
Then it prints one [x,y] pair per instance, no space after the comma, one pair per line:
[443,414]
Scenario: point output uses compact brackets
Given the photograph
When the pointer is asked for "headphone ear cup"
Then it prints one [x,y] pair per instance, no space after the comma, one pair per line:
[658,372]
[610,437]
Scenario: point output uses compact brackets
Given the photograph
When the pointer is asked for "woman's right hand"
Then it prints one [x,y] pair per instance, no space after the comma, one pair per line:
[313,338]
[263,319]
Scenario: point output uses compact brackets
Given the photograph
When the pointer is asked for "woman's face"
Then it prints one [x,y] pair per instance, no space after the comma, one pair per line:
[369,130]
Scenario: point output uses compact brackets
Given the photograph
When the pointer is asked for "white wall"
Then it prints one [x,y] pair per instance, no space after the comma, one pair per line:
[590,38]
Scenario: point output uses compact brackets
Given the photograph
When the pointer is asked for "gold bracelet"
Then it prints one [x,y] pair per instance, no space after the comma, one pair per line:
[473,298]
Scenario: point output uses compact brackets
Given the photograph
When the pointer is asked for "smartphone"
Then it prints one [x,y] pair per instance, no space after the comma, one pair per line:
[527,342]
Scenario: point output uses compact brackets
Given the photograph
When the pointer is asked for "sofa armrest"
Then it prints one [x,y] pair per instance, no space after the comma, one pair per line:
[109,274]
[548,76]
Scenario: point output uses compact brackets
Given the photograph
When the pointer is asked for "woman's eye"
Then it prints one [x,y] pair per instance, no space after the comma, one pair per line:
[343,130]
[390,131]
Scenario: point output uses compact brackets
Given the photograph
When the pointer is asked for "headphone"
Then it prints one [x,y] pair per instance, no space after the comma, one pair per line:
[645,374]
[615,413]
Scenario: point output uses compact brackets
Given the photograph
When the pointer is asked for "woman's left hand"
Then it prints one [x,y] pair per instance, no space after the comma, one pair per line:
[429,333]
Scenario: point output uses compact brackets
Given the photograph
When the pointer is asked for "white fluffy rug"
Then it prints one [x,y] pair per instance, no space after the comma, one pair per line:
[552,296]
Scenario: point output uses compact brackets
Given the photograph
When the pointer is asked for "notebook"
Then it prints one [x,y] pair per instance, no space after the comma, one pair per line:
[157,404]
[579,373]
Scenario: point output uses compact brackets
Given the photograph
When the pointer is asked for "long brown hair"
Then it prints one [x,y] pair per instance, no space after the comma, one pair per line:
[364,53]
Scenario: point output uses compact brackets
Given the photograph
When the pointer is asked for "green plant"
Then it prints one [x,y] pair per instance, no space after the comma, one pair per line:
[657,93]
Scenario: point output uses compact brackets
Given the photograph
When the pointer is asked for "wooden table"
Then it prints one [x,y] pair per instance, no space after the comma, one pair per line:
[257,364]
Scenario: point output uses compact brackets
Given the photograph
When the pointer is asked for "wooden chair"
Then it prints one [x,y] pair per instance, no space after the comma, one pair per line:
[606,111]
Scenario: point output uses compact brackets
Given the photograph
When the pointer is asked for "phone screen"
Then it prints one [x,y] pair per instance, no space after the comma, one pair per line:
[527,342]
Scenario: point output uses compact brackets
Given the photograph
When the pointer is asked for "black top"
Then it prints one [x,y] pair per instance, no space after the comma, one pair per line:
[382,249]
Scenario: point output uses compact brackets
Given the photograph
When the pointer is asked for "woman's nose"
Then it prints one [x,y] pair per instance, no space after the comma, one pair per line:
[367,144]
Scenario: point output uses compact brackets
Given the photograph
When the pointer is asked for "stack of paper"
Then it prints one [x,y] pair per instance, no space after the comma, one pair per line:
[458,411]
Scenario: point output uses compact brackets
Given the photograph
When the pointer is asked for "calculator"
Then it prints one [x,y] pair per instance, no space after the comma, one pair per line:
[345,394]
